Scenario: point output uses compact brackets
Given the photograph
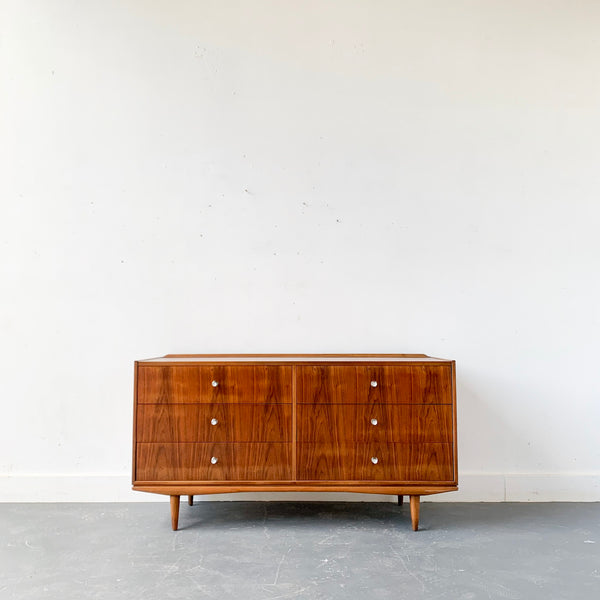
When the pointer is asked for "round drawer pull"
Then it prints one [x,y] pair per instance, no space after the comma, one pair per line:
[214,383]
[214,421]
[374,460]
[214,460]
[373,384]
[374,421]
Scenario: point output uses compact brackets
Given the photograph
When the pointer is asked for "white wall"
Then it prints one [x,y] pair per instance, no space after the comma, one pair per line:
[268,176]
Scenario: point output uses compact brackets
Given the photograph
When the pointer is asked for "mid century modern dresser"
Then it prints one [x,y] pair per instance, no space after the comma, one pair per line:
[208,424]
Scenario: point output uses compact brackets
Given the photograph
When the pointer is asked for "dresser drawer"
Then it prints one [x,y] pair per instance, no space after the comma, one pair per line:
[210,384]
[374,423]
[214,462]
[215,422]
[426,462]
[372,384]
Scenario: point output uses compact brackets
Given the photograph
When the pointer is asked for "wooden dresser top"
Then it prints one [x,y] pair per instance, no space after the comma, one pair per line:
[279,359]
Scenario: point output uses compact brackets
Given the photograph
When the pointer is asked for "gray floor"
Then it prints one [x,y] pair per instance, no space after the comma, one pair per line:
[258,550]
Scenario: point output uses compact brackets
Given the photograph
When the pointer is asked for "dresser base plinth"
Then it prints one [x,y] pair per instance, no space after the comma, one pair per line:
[196,489]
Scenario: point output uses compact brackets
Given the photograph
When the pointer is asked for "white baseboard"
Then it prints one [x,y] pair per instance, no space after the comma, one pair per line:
[473,487]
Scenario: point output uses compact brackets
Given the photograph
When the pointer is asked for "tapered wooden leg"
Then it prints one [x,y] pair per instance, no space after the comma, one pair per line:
[415,504]
[174,512]
[191,500]
[400,500]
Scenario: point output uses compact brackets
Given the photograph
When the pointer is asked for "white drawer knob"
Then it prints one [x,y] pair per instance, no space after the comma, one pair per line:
[214,421]
[214,460]
[214,383]
[374,421]
[373,384]
[374,460]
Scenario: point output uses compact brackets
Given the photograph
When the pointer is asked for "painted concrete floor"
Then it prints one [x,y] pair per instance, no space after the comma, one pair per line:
[313,550]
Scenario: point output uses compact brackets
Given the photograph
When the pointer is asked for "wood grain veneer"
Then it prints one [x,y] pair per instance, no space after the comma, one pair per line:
[409,423]
[267,422]
[369,423]
[424,462]
[158,384]
[395,384]
[235,462]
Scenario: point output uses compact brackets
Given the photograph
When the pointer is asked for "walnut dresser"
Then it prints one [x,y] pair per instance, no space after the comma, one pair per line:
[381,424]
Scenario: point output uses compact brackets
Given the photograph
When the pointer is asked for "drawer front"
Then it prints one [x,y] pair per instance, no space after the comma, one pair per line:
[325,423]
[194,462]
[215,422]
[211,384]
[427,462]
[373,384]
